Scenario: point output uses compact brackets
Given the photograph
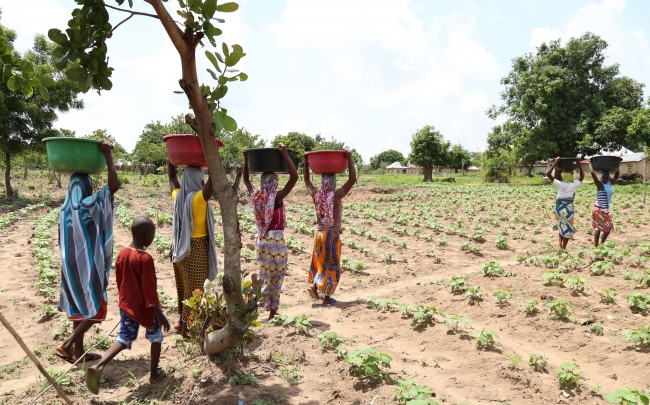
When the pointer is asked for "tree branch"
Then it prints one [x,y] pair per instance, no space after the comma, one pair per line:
[132,12]
[197,39]
[190,121]
[114,28]
[174,33]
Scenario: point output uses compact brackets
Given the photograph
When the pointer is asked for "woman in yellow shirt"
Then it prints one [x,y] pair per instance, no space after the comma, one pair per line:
[193,254]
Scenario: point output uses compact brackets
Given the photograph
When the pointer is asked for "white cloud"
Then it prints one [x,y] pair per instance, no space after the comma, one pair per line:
[25,15]
[627,46]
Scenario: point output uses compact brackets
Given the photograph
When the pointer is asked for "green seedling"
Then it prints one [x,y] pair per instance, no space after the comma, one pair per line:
[421,315]
[242,378]
[513,359]
[473,294]
[382,305]
[554,278]
[531,307]
[577,283]
[639,336]
[329,340]
[492,269]
[369,363]
[485,338]
[538,362]
[300,322]
[607,295]
[453,322]
[601,267]
[503,295]
[458,285]
[628,396]
[560,309]
[639,302]
[597,329]
[408,392]
[569,375]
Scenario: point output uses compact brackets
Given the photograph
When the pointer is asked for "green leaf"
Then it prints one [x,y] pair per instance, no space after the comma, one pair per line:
[76,73]
[227,7]
[209,7]
[229,123]
[103,81]
[57,36]
[178,92]
[45,95]
[224,48]
[214,75]
[211,31]
[11,83]
[213,60]
[232,59]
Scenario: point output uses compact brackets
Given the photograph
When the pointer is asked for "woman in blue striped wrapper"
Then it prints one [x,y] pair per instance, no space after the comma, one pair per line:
[86,243]
[564,209]
[601,220]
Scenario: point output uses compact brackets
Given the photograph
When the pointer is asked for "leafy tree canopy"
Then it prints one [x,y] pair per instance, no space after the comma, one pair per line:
[27,117]
[301,143]
[460,158]
[429,148]
[100,134]
[567,101]
[235,142]
[389,156]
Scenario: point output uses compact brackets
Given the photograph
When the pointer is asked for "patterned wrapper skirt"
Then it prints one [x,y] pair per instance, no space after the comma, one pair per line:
[325,269]
[272,258]
[190,273]
[564,212]
[601,220]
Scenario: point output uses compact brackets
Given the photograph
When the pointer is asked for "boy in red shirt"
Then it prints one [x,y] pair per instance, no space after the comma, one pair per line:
[136,283]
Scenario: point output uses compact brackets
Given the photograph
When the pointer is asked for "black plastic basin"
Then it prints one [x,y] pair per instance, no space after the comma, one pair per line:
[568,164]
[261,160]
[606,163]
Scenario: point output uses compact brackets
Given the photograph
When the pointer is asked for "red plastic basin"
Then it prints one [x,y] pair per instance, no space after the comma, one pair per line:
[185,150]
[327,161]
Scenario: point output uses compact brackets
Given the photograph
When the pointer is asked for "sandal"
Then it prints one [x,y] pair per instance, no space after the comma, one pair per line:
[93,378]
[332,302]
[312,293]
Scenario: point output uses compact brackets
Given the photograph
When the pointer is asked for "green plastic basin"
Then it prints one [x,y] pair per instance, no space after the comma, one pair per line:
[74,155]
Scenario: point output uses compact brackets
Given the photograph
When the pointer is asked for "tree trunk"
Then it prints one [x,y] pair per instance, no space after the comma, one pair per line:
[25,173]
[530,169]
[58,180]
[202,123]
[456,170]
[428,173]
[645,161]
[10,191]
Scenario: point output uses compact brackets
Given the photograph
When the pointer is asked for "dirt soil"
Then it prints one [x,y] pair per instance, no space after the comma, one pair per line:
[291,368]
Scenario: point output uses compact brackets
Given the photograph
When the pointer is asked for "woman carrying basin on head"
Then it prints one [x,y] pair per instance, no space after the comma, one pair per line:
[193,253]
[601,220]
[325,269]
[268,203]
[564,209]
[86,243]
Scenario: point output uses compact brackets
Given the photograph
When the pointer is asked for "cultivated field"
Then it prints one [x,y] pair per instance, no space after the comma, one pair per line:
[432,273]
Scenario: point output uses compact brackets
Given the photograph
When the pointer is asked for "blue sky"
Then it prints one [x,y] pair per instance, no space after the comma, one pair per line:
[368,72]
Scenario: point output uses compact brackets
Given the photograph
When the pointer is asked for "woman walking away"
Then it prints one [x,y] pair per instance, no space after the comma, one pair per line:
[193,254]
[564,210]
[601,221]
[269,219]
[325,271]
[86,243]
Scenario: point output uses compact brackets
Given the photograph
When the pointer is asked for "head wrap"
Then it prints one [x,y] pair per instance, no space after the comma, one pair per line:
[324,200]
[264,202]
[183,223]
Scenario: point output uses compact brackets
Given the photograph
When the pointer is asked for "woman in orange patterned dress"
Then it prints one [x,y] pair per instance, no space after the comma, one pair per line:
[325,269]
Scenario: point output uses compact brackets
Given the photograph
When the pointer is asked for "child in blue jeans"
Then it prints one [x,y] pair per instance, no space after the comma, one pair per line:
[136,283]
